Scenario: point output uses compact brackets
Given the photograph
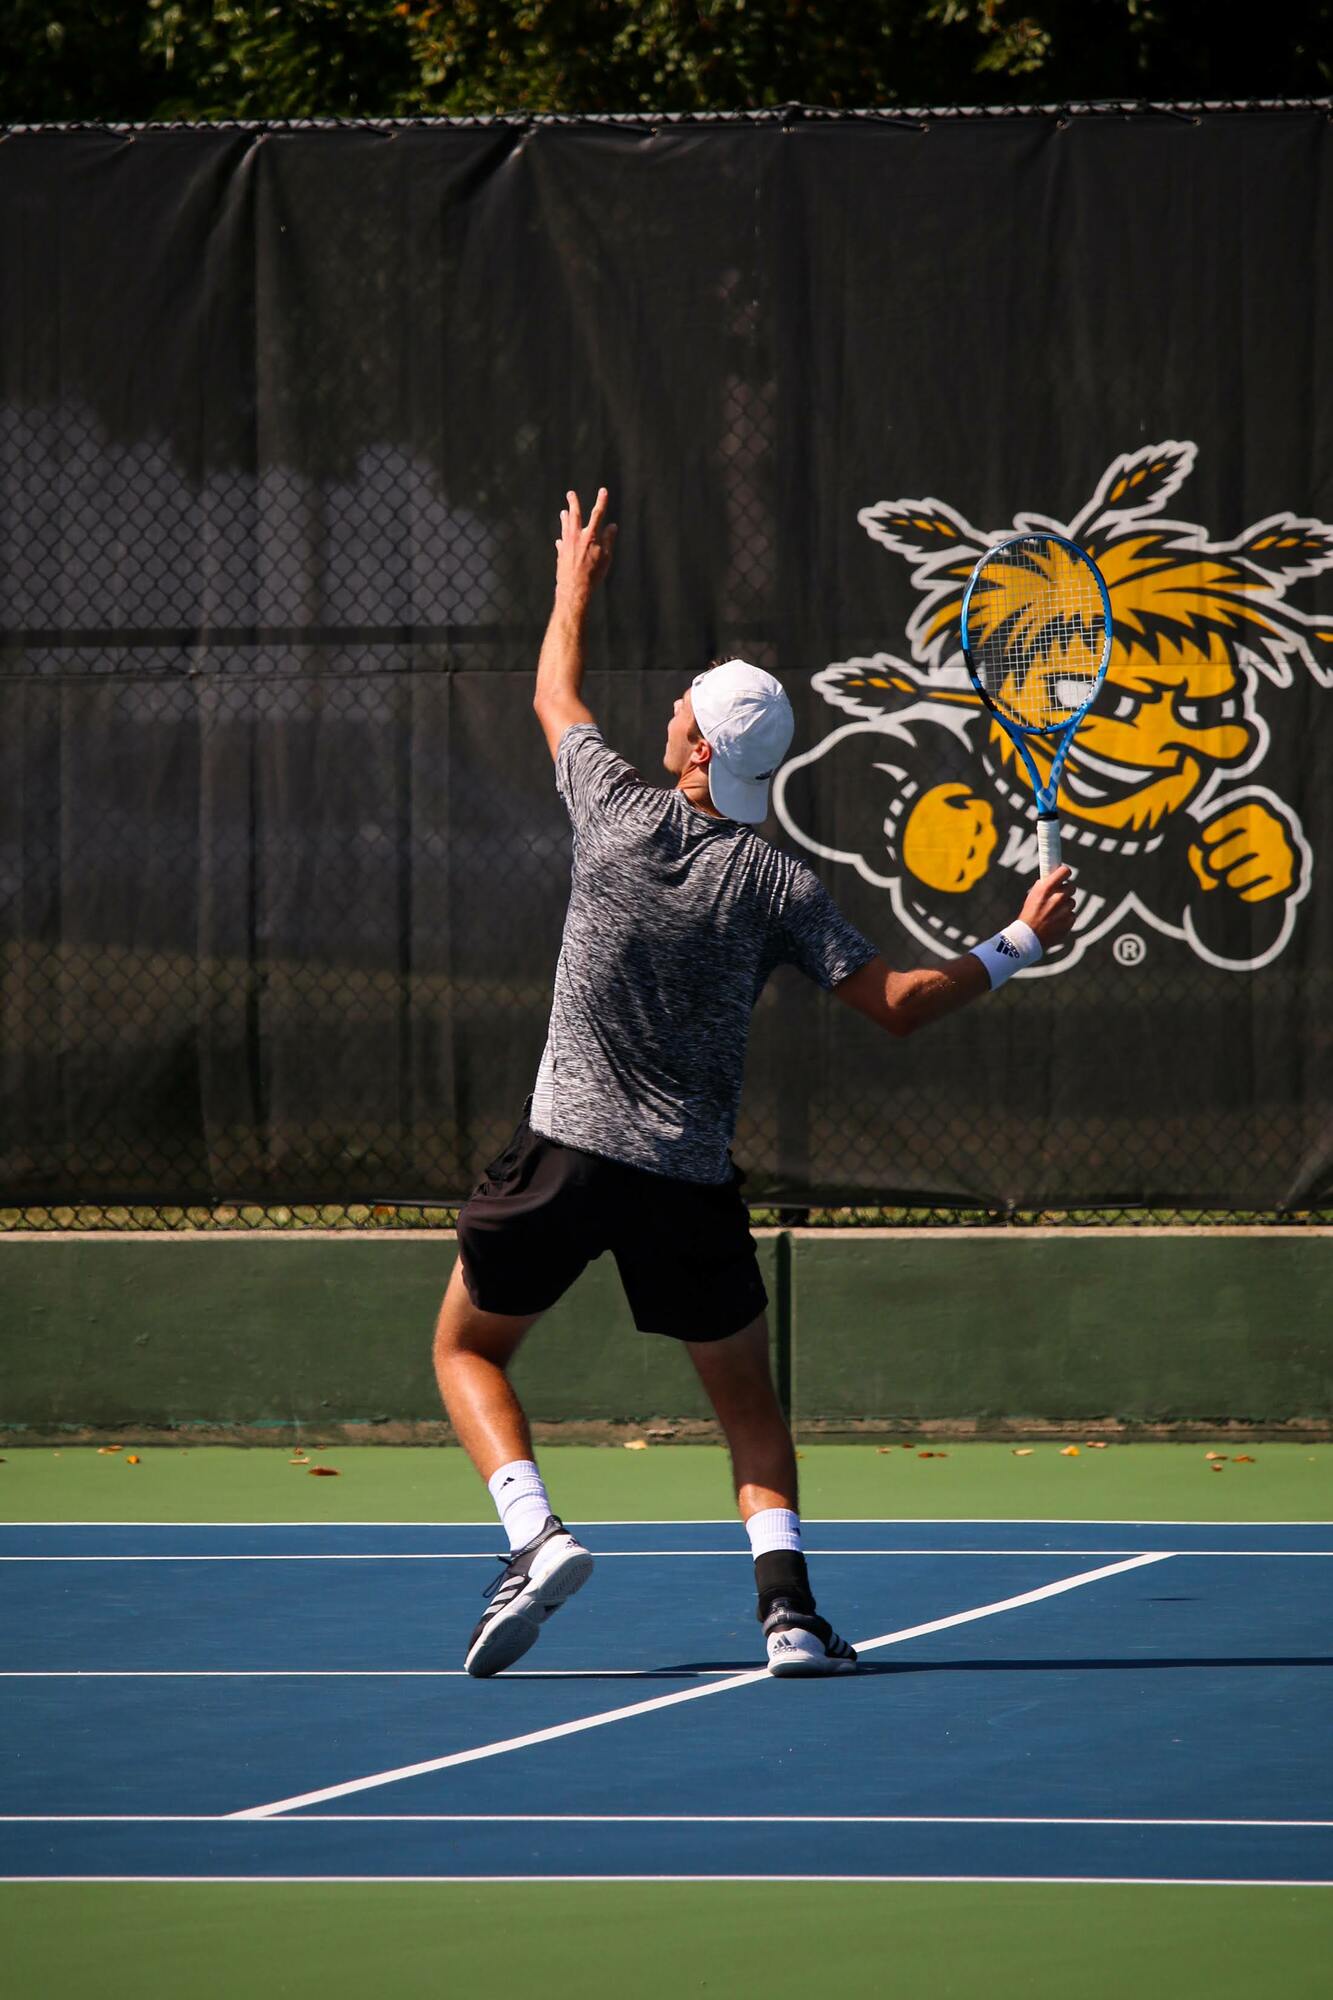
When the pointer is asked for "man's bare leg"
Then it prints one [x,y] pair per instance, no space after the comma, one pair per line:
[473,1350]
[736,1375]
[739,1384]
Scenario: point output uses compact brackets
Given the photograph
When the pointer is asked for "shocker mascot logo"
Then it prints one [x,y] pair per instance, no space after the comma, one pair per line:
[924,794]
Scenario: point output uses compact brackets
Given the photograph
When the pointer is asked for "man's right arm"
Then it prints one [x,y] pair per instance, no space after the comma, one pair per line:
[902,1002]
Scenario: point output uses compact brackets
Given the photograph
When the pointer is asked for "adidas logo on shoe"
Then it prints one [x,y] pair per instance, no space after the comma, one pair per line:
[802,1645]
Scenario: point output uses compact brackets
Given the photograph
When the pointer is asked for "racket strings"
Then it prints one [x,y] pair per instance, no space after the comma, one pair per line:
[1037,632]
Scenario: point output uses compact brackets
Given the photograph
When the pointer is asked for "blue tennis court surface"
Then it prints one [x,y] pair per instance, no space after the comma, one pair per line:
[1067,1701]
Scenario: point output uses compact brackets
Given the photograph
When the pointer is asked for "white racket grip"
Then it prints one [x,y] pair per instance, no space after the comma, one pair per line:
[1048,845]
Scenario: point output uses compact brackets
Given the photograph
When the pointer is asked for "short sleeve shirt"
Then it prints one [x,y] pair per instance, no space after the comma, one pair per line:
[675,921]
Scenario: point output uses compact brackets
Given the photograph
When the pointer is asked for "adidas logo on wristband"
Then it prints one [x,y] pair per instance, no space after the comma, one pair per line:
[1008,952]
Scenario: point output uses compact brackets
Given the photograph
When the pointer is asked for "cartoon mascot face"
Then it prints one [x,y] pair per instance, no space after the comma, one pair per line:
[1154,769]
[1159,732]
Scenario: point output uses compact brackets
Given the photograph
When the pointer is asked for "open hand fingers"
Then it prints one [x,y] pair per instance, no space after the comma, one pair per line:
[571,514]
[584,551]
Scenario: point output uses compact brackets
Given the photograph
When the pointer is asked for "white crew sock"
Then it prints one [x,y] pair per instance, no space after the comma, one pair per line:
[774,1528]
[520,1500]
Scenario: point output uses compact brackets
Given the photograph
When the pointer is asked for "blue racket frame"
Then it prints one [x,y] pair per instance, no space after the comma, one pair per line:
[1048,820]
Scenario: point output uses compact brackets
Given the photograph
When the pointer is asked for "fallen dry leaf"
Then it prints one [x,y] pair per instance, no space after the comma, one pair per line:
[105,1450]
[1097,1444]
[1217,1466]
[881,1451]
[636,1444]
[322,1471]
[1214,1454]
[1242,1458]
[1022,1451]
[299,1461]
[133,1458]
[932,1454]
[1069,1451]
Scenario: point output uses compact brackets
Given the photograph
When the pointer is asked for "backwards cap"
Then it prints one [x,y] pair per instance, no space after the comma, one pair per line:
[745,718]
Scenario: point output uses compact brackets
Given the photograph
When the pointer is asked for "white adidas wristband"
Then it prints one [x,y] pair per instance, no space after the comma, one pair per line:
[1016,946]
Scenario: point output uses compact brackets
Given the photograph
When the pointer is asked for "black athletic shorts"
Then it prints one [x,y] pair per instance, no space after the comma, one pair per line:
[542,1211]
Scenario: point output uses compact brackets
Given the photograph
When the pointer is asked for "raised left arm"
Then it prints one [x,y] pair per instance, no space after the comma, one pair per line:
[583,557]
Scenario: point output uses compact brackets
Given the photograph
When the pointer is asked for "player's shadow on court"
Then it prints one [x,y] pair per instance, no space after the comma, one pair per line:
[691,1669]
[1266,1660]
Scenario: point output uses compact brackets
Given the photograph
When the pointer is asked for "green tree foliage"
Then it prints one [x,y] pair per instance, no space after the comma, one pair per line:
[291,58]
[283,59]
[697,55]
[59,63]
[671,55]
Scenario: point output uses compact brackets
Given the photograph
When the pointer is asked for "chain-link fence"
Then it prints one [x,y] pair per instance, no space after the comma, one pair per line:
[121,1219]
[282,871]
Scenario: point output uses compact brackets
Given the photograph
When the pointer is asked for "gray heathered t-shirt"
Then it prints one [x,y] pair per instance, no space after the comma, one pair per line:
[675,921]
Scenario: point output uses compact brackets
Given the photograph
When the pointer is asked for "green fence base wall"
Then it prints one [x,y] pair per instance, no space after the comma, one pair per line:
[1146,1327]
[279,1330]
[981,1330]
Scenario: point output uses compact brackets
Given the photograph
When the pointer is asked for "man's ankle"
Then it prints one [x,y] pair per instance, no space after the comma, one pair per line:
[781,1573]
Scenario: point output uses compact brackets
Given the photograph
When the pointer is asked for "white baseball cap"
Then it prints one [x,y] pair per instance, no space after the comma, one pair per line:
[745,718]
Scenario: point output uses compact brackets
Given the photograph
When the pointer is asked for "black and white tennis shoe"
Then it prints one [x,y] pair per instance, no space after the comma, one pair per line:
[535,1581]
[802,1644]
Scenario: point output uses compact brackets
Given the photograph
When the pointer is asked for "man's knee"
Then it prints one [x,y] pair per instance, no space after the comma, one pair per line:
[451,1320]
[735,1372]
[462,1328]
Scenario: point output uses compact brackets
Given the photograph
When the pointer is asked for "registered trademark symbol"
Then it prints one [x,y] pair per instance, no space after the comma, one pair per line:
[1129,949]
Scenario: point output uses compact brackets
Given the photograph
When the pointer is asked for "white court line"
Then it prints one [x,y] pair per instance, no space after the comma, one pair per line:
[490,1555]
[633,1819]
[605,1881]
[711,1521]
[358,1673]
[638,1708]
[622,1555]
[424,1673]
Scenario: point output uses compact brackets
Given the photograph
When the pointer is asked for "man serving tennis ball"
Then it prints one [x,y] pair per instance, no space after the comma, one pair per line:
[678,912]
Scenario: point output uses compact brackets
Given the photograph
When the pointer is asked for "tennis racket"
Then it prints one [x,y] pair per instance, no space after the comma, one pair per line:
[1036,630]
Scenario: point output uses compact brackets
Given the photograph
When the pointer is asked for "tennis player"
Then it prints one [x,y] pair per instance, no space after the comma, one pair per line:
[678,912]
